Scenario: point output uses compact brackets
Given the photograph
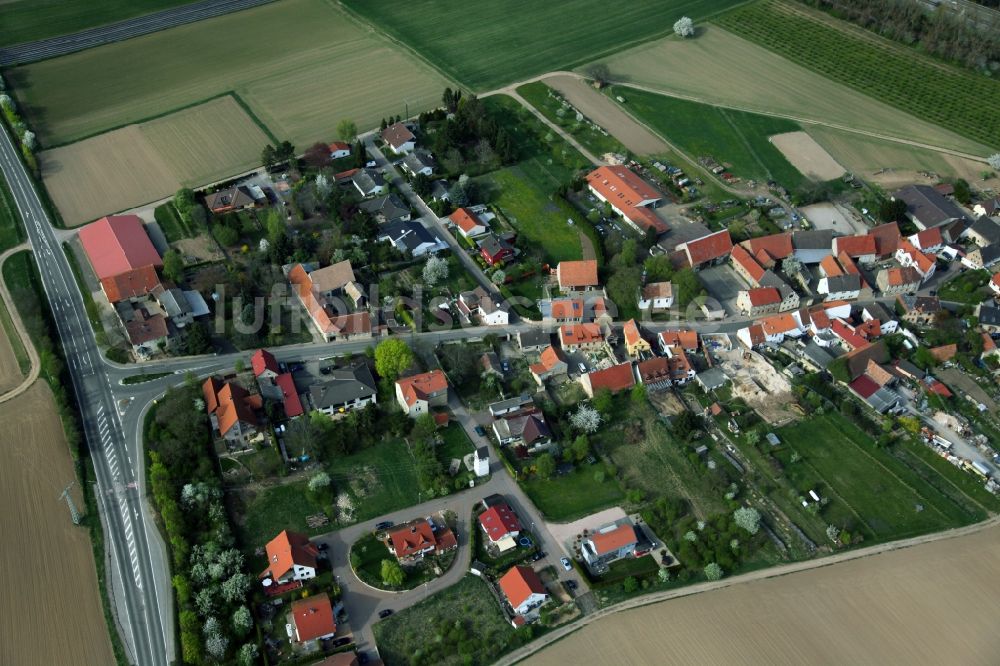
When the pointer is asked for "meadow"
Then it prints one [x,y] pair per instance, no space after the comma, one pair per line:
[29,20]
[311,66]
[951,97]
[735,138]
[485,44]
[720,68]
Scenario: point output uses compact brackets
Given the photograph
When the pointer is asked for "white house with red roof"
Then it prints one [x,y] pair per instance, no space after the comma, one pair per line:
[290,556]
[928,240]
[417,394]
[399,138]
[468,223]
[708,249]
[264,365]
[524,592]
[339,149]
[995,283]
[499,522]
[312,619]
[609,543]
[759,301]
[909,255]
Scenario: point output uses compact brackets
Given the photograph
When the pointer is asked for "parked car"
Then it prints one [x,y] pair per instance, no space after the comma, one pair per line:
[567,565]
[480,430]
[385,613]
[570,584]
[384,525]
[342,641]
[322,545]
[537,556]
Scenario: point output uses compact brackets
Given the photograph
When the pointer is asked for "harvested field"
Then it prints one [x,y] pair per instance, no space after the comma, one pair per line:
[54,617]
[311,66]
[105,174]
[877,609]
[720,68]
[10,371]
[603,111]
[207,142]
[807,156]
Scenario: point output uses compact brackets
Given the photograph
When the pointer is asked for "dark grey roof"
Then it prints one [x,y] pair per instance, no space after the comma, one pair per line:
[439,190]
[926,304]
[910,369]
[368,179]
[236,196]
[989,315]
[390,207]
[712,378]
[928,205]
[990,254]
[419,159]
[409,234]
[882,400]
[839,283]
[483,452]
[534,337]
[493,245]
[342,385]
[819,356]
[988,229]
[879,311]
[814,239]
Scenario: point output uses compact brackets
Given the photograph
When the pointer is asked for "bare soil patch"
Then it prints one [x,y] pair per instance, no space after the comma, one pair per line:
[607,114]
[51,612]
[763,388]
[807,156]
[933,603]
[199,249]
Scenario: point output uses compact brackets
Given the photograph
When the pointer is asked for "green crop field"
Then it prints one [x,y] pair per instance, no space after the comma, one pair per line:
[955,98]
[28,20]
[485,44]
[736,138]
[871,491]
[310,66]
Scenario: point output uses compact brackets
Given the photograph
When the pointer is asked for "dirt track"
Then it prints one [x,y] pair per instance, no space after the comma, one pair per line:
[21,383]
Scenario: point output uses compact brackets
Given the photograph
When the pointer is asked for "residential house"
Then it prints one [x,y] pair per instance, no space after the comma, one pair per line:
[759,301]
[684,339]
[290,556]
[746,266]
[419,163]
[499,522]
[877,311]
[511,406]
[322,292]
[987,207]
[563,310]
[926,207]
[342,390]
[789,297]
[146,331]
[369,182]
[816,357]
[654,373]
[440,190]
[995,283]
[859,359]
[410,237]
[840,287]
[609,543]
[264,365]
[927,241]
[523,590]
[903,280]
[710,249]
[290,399]
[656,297]
[339,150]
[635,344]
[919,310]
[848,335]
[412,541]
[122,256]
[417,394]
[908,255]
[468,223]
[988,318]
[887,239]
[533,339]
[487,308]
[550,365]
[811,246]
[679,366]
[529,430]
[399,138]
[229,200]
[340,659]
[312,618]
[859,248]
[629,196]
[712,379]
[751,336]
[386,209]
[175,304]
[617,378]
[574,276]
[581,337]
[495,249]
[982,257]
[767,250]
[231,411]
[777,327]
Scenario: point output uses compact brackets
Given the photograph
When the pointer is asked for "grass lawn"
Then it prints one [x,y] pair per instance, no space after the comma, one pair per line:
[538,95]
[968,287]
[870,490]
[734,138]
[485,44]
[170,223]
[370,552]
[29,20]
[572,495]
[379,479]
[888,71]
[456,443]
[278,508]
[630,566]
[459,625]
[11,231]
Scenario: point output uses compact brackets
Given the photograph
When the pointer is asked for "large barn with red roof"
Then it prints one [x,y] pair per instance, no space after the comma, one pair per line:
[122,256]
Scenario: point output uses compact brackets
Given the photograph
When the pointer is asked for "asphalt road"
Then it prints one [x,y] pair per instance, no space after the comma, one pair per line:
[118,476]
[18,54]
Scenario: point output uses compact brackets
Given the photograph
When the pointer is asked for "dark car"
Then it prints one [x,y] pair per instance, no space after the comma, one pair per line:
[322,545]
[384,525]
[480,430]
[385,613]
[537,556]
[342,641]
[570,584]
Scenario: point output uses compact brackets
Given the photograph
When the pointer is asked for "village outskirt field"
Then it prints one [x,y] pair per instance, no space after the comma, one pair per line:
[485,44]
[54,615]
[934,603]
[28,20]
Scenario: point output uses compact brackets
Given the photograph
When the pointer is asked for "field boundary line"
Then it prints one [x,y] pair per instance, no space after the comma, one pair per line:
[22,332]
[762,574]
[242,103]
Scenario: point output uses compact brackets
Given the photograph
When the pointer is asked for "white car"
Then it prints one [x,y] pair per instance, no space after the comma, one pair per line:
[567,565]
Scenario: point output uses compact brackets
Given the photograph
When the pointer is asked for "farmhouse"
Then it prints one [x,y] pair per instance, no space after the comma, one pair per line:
[312,618]
[927,207]
[581,337]
[904,280]
[524,592]
[418,393]
[231,411]
[468,223]
[576,276]
[386,209]
[616,379]
[609,543]
[231,199]
[709,249]
[635,344]
[399,138]
[759,301]
[629,196]
[339,149]
[122,256]
[290,556]
[656,297]
[410,542]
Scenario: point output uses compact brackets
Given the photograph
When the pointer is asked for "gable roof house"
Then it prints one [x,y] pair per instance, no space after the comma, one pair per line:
[343,390]
[684,339]
[840,287]
[988,318]
[369,182]
[419,163]
[312,618]
[550,364]
[887,239]
[339,149]
[479,303]
[531,430]
[767,250]
[386,209]
[231,411]
[656,297]
[410,237]
[928,240]
[577,275]
[860,248]
[747,267]
[908,255]
[635,344]
[577,337]
[919,310]
[903,280]
[984,231]
[759,301]
[995,283]
[399,138]
[811,246]
[654,373]
[468,223]
[927,207]
[264,365]
[495,249]
[290,556]
[629,196]
[709,249]
[319,292]
[533,339]
[418,393]
[122,256]
[617,378]
[410,542]
[235,198]
[146,331]
[610,543]
[563,310]
[524,592]
[499,522]
[982,257]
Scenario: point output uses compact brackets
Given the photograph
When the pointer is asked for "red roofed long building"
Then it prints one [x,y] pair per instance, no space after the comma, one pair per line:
[707,249]
[617,378]
[610,543]
[312,618]
[122,256]
[629,195]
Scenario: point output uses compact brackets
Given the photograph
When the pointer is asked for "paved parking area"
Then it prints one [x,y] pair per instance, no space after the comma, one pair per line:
[724,285]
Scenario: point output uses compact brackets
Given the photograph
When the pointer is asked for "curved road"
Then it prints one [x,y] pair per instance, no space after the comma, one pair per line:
[15,317]
[18,54]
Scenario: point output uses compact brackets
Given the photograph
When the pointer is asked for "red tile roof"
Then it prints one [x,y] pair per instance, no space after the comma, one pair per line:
[289,395]
[683,339]
[230,402]
[612,540]
[900,276]
[339,145]
[854,246]
[944,352]
[146,328]
[764,296]
[938,388]
[423,385]
[743,258]
[616,378]
[654,370]
[577,273]
[519,583]
[498,521]
[927,238]
[567,308]
[631,332]
[819,318]
[830,266]
[708,248]
[580,334]
[778,246]
[870,329]
[550,358]
[118,244]
[313,617]
[465,219]
[412,539]
[780,323]
[864,386]
[130,284]
[285,551]
[848,335]
[646,219]
[264,360]
[886,237]
[626,191]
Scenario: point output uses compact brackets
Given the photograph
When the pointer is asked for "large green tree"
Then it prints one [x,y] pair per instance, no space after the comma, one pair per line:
[392,358]
[392,574]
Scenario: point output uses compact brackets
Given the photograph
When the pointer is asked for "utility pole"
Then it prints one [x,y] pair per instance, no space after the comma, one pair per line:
[73,513]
